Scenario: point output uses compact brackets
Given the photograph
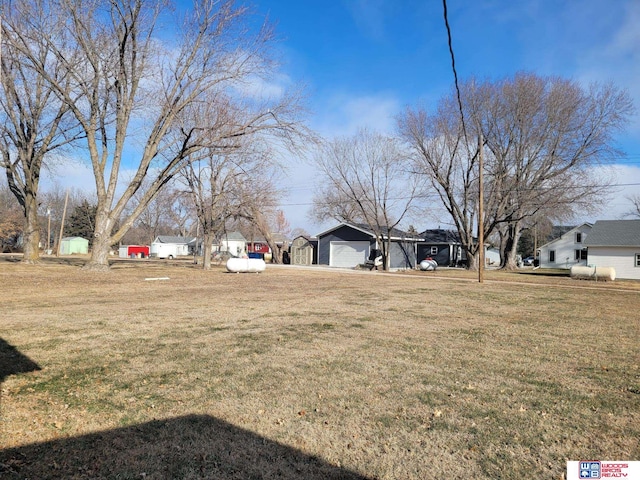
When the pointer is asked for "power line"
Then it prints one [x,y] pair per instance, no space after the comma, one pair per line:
[453,67]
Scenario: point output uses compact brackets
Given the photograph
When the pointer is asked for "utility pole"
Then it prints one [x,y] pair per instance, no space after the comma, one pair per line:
[64,214]
[48,251]
[480,212]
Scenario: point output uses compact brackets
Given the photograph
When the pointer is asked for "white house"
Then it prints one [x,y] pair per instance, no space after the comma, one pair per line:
[616,243]
[234,243]
[567,250]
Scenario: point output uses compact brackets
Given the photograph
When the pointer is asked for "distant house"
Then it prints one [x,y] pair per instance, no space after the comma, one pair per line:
[567,250]
[492,257]
[233,242]
[443,246]
[348,245]
[616,243]
[167,246]
[74,245]
[303,250]
[259,246]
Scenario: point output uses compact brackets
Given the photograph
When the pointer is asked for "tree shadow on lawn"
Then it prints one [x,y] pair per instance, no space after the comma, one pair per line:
[12,361]
[192,446]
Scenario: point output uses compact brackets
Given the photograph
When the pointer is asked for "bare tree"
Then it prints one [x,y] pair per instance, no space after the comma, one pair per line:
[231,177]
[281,225]
[33,122]
[227,184]
[635,206]
[168,213]
[450,164]
[365,180]
[545,136]
[135,95]
[542,136]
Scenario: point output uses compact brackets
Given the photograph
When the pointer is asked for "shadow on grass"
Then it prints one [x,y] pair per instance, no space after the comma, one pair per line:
[12,361]
[546,272]
[192,446]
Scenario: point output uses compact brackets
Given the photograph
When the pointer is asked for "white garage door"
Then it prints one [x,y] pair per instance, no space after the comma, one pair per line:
[348,254]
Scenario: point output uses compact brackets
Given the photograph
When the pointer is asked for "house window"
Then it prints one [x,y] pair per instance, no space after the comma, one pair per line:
[552,256]
[434,250]
[578,237]
[580,254]
[637,259]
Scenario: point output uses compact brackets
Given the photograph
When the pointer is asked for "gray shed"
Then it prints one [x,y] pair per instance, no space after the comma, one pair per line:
[303,250]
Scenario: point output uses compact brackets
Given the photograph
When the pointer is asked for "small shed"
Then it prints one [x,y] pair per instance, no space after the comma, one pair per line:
[303,250]
[74,245]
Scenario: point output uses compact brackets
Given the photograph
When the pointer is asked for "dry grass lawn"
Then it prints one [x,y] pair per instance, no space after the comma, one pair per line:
[312,374]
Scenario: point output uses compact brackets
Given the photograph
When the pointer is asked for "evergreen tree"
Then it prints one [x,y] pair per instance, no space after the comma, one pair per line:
[82,222]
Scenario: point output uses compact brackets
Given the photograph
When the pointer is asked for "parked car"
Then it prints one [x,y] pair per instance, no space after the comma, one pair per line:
[529,261]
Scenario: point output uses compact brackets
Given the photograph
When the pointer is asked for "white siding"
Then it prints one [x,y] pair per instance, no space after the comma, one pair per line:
[235,247]
[565,249]
[622,259]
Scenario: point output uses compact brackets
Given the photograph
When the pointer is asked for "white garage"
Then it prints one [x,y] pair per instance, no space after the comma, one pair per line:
[348,254]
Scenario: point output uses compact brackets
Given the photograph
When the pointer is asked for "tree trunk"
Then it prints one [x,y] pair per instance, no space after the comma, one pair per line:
[386,258]
[509,248]
[473,259]
[99,260]
[207,239]
[31,234]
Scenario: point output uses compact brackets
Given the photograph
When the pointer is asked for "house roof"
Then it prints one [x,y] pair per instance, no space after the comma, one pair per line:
[172,239]
[276,237]
[394,233]
[614,233]
[439,235]
[233,237]
[559,231]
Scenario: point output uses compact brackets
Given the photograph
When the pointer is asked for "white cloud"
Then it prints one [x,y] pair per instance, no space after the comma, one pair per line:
[344,114]
[626,179]
[68,172]
[259,88]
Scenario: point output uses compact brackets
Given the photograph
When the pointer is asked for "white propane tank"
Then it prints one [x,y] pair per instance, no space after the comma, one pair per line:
[428,265]
[591,272]
[246,265]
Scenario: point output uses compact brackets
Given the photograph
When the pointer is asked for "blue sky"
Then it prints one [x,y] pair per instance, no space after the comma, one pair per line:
[363,61]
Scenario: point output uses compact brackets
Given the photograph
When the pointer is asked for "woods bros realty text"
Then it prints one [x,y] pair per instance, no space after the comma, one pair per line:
[603,469]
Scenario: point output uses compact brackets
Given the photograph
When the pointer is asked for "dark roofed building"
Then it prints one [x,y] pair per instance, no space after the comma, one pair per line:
[443,246]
